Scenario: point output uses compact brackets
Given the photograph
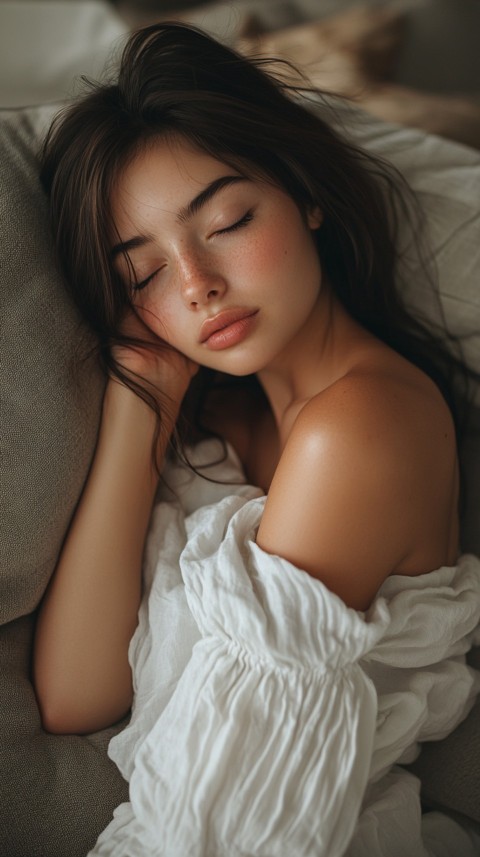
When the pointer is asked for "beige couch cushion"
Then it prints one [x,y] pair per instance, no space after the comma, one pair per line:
[56,793]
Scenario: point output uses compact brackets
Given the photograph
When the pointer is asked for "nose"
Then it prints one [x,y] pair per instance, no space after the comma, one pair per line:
[201,282]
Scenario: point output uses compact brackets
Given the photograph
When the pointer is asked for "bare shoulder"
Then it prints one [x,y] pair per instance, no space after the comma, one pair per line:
[366,482]
[380,413]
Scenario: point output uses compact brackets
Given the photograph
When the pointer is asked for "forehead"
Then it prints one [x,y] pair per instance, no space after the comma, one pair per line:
[165,174]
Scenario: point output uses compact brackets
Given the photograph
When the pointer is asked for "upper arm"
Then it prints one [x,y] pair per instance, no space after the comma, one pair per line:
[339,504]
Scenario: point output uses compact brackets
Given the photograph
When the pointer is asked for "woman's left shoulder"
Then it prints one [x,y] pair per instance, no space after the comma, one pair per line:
[364,482]
[389,429]
[388,409]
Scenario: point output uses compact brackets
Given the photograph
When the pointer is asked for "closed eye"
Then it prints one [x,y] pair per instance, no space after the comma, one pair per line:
[137,287]
[237,225]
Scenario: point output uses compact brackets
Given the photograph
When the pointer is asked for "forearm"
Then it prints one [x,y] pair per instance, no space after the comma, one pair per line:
[82,675]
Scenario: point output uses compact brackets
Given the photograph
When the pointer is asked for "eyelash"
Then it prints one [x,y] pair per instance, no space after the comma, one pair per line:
[239,223]
[247,218]
[137,287]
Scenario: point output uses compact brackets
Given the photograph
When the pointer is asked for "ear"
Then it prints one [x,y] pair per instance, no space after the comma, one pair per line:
[314,217]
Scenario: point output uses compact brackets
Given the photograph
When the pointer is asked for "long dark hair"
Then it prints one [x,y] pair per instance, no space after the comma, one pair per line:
[174,79]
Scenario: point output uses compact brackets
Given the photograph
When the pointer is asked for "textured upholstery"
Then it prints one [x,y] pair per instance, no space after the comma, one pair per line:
[56,793]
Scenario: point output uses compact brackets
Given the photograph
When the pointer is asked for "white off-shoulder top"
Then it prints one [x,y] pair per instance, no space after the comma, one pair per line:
[269,718]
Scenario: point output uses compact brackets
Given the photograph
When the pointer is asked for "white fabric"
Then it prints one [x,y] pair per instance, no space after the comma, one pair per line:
[267,714]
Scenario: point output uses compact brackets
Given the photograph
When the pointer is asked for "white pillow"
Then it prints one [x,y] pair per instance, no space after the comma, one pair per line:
[446,179]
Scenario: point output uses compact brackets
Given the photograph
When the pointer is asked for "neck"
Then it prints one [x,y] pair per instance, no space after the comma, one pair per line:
[320,354]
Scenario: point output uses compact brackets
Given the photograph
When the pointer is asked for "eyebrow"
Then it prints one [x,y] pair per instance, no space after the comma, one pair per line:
[184,215]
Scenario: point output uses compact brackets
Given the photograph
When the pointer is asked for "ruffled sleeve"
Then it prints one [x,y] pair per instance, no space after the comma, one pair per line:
[265,745]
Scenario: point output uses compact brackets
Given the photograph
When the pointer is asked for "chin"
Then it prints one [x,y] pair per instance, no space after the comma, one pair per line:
[235,373]
[238,367]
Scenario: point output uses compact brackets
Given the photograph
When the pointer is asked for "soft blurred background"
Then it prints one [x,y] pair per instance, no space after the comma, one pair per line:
[414,62]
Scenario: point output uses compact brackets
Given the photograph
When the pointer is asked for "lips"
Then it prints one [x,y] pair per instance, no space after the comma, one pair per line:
[223,320]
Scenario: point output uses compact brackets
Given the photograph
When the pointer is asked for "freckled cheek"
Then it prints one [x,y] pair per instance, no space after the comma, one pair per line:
[285,256]
[264,254]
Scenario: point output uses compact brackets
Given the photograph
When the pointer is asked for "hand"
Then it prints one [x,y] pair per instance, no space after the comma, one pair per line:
[153,363]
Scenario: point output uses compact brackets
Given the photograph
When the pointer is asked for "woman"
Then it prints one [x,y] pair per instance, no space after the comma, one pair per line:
[204,218]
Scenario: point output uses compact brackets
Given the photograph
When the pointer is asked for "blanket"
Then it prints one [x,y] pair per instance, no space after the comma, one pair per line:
[269,718]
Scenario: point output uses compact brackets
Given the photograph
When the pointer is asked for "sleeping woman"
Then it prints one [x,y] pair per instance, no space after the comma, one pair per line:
[237,261]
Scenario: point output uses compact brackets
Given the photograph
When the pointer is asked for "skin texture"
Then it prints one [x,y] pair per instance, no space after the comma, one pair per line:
[354,445]
[198,270]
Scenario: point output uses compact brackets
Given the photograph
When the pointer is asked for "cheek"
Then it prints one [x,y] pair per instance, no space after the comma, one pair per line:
[158,315]
[289,254]
[269,253]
